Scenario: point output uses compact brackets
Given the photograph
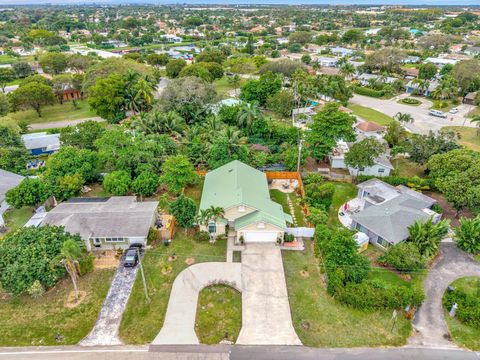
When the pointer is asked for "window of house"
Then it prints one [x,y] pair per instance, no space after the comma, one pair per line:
[212,228]
[383,243]
[381,170]
[114,239]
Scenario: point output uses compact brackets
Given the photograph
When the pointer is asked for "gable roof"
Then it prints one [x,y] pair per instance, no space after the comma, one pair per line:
[8,180]
[117,216]
[368,126]
[236,184]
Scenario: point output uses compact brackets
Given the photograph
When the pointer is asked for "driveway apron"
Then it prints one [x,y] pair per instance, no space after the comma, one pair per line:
[105,331]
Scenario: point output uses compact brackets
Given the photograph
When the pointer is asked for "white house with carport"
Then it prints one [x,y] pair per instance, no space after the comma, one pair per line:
[250,214]
[105,223]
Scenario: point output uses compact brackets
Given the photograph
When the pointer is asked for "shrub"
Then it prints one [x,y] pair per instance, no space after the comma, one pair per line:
[468,311]
[203,236]
[368,92]
[117,182]
[86,264]
[411,101]
[319,195]
[288,237]
[373,295]
[36,290]
[468,235]
[313,178]
[403,257]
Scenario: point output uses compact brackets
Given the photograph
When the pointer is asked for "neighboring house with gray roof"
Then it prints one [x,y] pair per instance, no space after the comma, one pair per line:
[105,223]
[385,212]
[8,180]
[242,192]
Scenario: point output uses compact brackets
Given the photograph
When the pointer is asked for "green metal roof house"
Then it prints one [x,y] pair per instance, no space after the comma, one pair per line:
[242,192]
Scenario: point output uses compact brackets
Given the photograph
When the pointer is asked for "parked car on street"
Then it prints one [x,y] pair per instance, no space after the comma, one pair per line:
[453,110]
[438,113]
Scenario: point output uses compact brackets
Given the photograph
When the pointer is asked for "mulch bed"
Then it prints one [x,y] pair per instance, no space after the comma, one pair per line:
[448,211]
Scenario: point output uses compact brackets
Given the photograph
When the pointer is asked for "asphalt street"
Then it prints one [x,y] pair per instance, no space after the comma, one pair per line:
[203,352]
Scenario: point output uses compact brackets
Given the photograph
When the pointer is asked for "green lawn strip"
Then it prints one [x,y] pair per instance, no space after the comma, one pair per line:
[469,137]
[343,193]
[26,321]
[53,113]
[320,321]
[370,114]
[195,191]
[406,168]
[219,314]
[281,198]
[16,218]
[463,334]
[141,321]
[222,86]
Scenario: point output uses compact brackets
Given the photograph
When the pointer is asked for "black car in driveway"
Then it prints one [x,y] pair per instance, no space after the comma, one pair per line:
[131,257]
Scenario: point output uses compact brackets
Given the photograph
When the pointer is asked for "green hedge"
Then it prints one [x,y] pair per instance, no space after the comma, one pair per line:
[374,295]
[468,311]
[368,92]
[404,257]
[397,180]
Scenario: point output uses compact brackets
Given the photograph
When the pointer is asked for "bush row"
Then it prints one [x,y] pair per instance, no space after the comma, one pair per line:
[368,92]
[468,311]
[397,180]
[374,295]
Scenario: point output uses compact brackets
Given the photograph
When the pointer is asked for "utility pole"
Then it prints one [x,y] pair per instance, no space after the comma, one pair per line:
[145,290]
[300,145]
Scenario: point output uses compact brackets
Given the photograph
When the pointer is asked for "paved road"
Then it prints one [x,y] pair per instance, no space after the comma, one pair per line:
[105,331]
[233,353]
[266,317]
[179,324]
[423,122]
[62,123]
[430,320]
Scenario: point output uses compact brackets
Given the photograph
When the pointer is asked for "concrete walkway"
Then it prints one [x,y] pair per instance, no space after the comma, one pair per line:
[266,317]
[62,123]
[105,331]
[179,325]
[429,322]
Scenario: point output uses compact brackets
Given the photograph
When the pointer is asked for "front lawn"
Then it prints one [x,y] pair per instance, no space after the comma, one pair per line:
[26,321]
[406,168]
[370,114]
[469,137]
[343,193]
[462,334]
[219,314]
[53,113]
[320,321]
[223,87]
[141,321]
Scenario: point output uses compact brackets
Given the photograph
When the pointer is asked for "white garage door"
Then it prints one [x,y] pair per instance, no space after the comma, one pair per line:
[259,236]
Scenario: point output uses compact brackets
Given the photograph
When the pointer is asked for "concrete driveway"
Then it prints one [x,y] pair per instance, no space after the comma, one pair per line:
[105,331]
[429,322]
[266,317]
[423,122]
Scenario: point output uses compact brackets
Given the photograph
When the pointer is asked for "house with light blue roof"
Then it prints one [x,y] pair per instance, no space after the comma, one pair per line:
[250,214]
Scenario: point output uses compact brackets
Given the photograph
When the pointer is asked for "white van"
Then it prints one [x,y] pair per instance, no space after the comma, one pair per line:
[438,113]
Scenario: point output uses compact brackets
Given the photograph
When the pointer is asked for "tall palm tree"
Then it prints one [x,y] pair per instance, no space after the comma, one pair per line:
[422,85]
[143,93]
[216,212]
[347,70]
[247,114]
[69,257]
[234,138]
[403,117]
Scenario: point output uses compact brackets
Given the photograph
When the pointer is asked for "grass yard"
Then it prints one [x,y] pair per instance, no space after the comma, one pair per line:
[474,112]
[219,314]
[195,191]
[477,257]
[469,137]
[8,59]
[141,321]
[222,86]
[16,218]
[322,322]
[370,114]
[53,113]
[462,334]
[406,168]
[281,198]
[26,321]
[343,193]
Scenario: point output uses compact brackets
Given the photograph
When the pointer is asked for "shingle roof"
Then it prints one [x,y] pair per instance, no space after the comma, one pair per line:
[236,184]
[368,126]
[8,180]
[119,216]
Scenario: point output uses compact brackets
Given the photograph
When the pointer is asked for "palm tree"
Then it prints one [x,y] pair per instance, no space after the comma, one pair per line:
[247,114]
[422,85]
[403,117]
[234,138]
[216,212]
[69,257]
[476,119]
[427,235]
[347,70]
[143,93]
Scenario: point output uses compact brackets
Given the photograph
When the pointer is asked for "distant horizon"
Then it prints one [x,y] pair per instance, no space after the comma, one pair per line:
[416,3]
